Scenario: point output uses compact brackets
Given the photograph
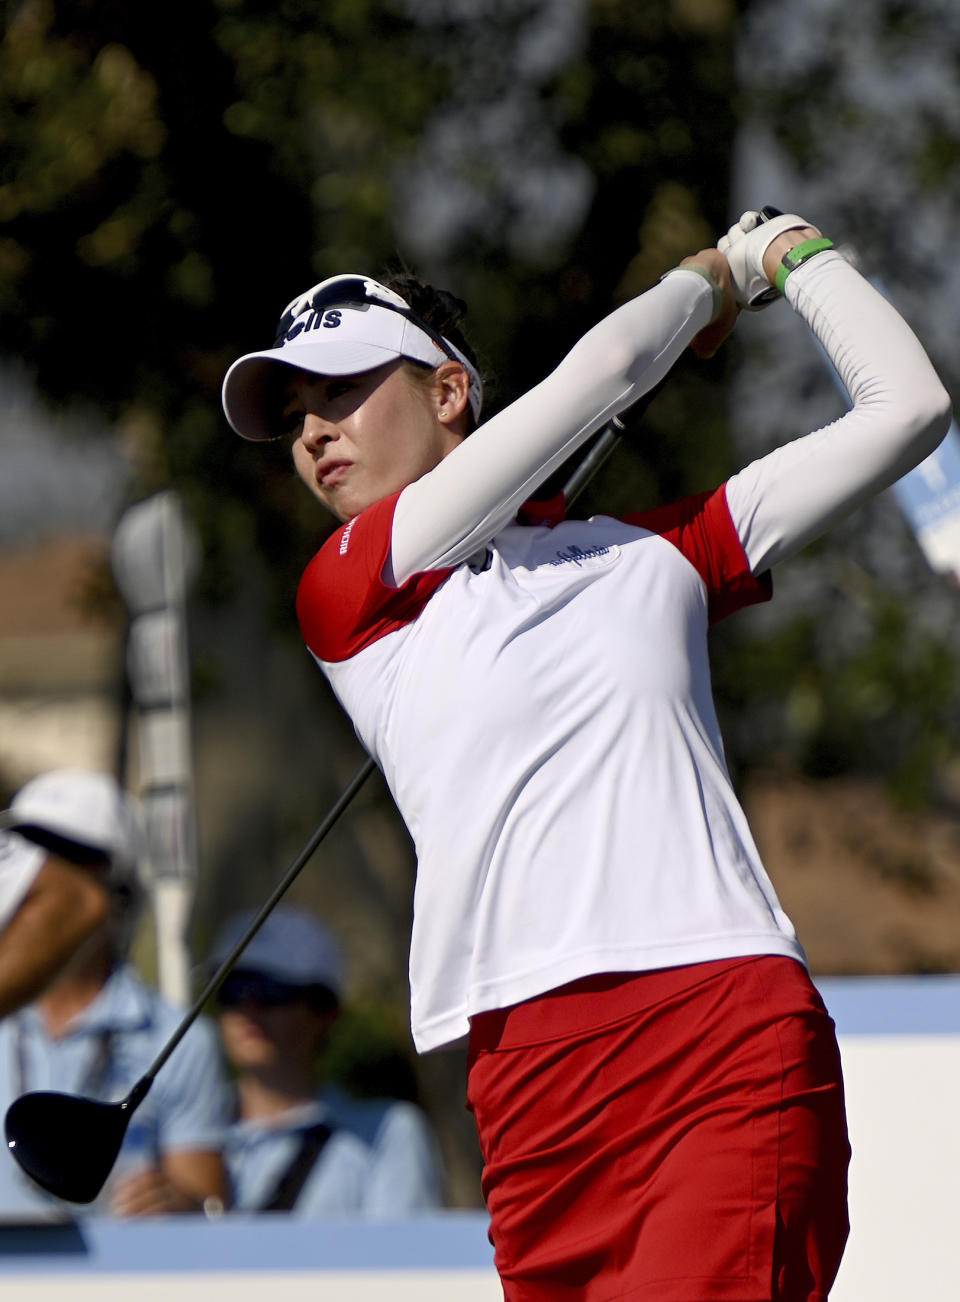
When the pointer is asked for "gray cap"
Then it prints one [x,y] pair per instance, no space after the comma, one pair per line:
[291,946]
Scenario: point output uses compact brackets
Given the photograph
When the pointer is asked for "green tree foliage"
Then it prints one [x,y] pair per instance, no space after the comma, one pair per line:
[865,103]
[645,108]
[172,173]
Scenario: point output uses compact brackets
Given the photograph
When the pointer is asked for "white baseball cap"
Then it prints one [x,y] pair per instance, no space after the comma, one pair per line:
[291,946]
[344,326]
[83,806]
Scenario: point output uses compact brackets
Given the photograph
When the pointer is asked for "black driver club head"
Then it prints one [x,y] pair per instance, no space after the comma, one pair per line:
[66,1144]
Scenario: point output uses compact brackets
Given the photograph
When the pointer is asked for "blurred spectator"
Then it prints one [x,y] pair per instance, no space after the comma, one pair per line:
[98,1026]
[49,905]
[299,1144]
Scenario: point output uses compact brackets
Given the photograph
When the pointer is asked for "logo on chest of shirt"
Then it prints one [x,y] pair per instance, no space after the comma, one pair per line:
[599,553]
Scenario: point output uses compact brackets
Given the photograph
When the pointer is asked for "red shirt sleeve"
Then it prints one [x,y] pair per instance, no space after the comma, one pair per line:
[701,528]
[343,604]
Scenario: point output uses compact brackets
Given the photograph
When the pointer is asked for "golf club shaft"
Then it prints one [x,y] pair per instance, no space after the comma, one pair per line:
[274,898]
[581,476]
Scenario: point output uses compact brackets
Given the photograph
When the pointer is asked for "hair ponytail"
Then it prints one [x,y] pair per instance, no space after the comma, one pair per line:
[438,307]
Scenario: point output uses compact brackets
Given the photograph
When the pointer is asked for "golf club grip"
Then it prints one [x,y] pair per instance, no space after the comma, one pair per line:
[594,459]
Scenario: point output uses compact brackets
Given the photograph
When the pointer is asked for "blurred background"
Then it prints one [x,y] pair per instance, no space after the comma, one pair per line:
[172,174]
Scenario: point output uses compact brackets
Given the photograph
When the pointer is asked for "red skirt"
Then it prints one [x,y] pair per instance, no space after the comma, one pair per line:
[670,1136]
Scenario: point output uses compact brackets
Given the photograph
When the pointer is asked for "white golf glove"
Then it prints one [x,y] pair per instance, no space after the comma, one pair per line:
[744,244]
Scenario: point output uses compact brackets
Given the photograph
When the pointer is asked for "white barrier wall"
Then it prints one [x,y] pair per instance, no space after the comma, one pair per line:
[900,1044]
[900,1041]
[442,1258]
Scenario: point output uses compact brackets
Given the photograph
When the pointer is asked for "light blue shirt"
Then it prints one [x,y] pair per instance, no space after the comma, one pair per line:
[381,1160]
[105,1050]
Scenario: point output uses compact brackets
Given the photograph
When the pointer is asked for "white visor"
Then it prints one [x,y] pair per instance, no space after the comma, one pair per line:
[345,339]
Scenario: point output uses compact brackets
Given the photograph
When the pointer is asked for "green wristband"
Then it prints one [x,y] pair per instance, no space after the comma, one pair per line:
[798,255]
[708,277]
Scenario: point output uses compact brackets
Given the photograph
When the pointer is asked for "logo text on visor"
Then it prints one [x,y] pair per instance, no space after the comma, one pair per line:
[328,320]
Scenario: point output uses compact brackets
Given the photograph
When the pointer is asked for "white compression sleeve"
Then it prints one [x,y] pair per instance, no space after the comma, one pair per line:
[900,414]
[445,517]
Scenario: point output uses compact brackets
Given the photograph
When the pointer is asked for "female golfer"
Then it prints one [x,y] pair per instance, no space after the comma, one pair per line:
[655,1081]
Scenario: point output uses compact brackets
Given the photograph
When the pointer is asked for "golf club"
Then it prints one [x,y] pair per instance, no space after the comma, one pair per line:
[68,1144]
